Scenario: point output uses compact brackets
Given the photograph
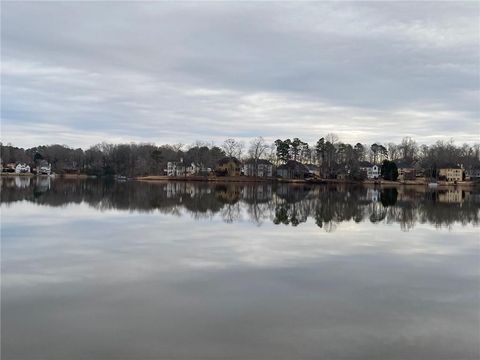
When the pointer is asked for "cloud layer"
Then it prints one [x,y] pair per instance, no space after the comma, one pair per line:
[80,73]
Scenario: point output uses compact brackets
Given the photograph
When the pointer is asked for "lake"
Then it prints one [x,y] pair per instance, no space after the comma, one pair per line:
[95,269]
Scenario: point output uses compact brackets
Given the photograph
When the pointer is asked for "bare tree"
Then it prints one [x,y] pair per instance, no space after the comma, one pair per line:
[332,138]
[177,147]
[232,147]
[392,151]
[271,153]
[240,149]
[257,148]
[408,148]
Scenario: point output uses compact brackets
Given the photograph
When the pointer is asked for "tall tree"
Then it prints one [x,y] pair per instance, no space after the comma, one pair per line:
[296,147]
[375,148]
[305,153]
[320,150]
[389,170]
[359,151]
[283,149]
[330,155]
[383,152]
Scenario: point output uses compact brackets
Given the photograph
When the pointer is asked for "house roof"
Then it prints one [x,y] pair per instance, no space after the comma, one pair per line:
[259,161]
[228,159]
[293,165]
[312,166]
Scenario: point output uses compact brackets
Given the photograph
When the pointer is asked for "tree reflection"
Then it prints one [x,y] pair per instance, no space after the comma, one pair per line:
[282,204]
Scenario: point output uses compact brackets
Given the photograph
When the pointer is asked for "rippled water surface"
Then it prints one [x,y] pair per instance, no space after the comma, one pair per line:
[106,270]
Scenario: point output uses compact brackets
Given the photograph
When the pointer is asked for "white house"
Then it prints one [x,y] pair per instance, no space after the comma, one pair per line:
[178,169]
[193,169]
[44,168]
[260,168]
[22,168]
[472,174]
[175,168]
[373,172]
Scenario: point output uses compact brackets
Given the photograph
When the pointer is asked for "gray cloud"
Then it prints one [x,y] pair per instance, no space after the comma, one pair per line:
[79,73]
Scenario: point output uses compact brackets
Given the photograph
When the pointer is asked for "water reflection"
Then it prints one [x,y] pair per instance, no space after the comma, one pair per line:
[105,270]
[282,204]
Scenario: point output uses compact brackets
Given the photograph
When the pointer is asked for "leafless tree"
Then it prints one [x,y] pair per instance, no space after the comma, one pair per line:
[332,138]
[233,148]
[177,147]
[392,151]
[408,148]
[257,148]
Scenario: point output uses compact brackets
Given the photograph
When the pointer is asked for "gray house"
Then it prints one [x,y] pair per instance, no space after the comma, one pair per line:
[293,170]
[259,168]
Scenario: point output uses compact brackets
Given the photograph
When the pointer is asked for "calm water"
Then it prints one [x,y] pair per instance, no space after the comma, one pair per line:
[105,270]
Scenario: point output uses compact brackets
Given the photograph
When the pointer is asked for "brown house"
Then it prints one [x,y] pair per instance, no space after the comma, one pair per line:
[228,166]
[451,174]
[407,174]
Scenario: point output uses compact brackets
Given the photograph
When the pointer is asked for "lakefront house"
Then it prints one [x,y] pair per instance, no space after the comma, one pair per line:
[451,174]
[407,174]
[9,168]
[406,170]
[372,172]
[293,170]
[177,168]
[313,169]
[228,166]
[22,169]
[259,168]
[44,168]
[472,174]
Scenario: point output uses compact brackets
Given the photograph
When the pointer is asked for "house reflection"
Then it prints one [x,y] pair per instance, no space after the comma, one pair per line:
[451,196]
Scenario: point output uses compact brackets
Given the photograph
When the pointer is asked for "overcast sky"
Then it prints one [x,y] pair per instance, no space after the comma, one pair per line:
[79,73]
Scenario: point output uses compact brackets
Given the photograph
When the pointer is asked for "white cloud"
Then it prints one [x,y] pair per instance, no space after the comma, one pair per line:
[164,72]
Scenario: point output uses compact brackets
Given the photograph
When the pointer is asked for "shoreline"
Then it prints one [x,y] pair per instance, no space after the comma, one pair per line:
[15,174]
[62,176]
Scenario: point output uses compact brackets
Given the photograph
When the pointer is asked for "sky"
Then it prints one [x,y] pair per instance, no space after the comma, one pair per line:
[79,73]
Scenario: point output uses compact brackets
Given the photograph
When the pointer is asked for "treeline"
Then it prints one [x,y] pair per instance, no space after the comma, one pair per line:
[329,153]
[111,159]
[333,156]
